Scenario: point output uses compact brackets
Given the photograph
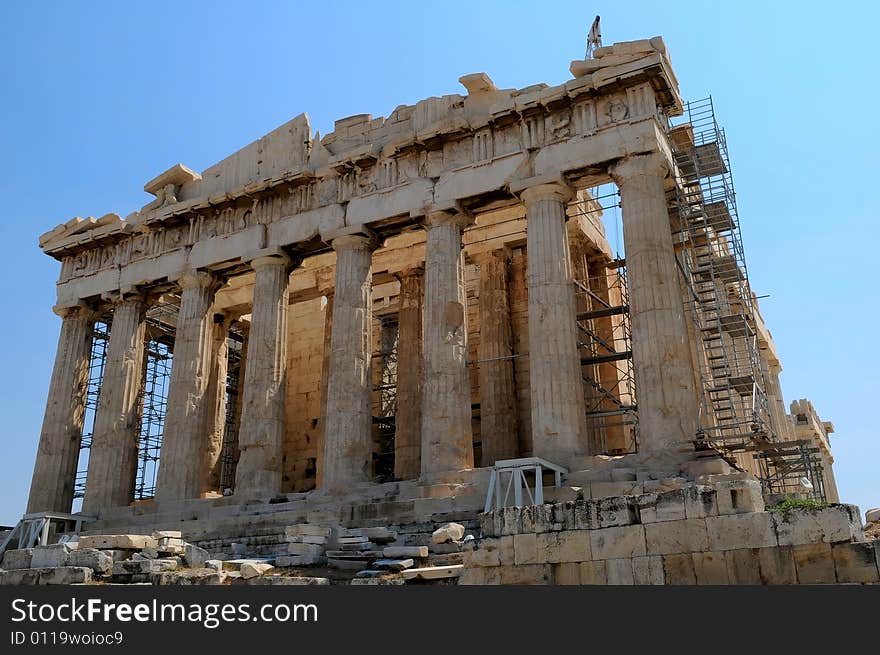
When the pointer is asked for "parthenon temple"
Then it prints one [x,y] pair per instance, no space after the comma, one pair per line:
[372,326]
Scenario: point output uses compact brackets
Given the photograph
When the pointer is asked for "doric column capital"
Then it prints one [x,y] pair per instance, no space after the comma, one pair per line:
[267,261]
[547,191]
[79,310]
[197,279]
[128,297]
[460,219]
[635,166]
[362,242]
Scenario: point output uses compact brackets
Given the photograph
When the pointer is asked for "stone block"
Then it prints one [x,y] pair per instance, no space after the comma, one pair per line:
[648,570]
[710,568]
[739,496]
[537,518]
[379,535]
[735,531]
[487,525]
[586,515]
[682,536]
[448,532]
[742,566]
[306,539]
[776,565]
[49,556]
[439,572]
[304,549]
[814,563]
[593,573]
[525,548]
[511,520]
[167,534]
[122,541]
[566,546]
[616,511]
[135,566]
[872,515]
[829,524]
[567,573]
[214,564]
[303,529]
[17,558]
[97,560]
[63,575]
[560,517]
[600,490]
[411,551]
[19,577]
[195,557]
[856,562]
[700,501]
[255,569]
[619,571]
[679,569]
[528,574]
[480,576]
[484,556]
[298,560]
[618,542]
[393,564]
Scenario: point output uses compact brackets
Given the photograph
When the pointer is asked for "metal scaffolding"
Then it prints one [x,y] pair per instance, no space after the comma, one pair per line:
[385,399]
[229,451]
[97,358]
[605,336]
[161,321]
[734,411]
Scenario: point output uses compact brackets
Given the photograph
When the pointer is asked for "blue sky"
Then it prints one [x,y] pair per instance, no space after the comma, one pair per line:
[100,97]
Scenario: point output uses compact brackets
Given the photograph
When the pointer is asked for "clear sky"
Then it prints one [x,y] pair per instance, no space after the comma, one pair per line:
[99,97]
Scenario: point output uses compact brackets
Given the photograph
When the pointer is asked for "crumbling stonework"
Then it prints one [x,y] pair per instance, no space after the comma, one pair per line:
[418,297]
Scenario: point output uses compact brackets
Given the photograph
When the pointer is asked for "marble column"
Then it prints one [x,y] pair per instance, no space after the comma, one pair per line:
[664,376]
[57,455]
[407,433]
[261,432]
[185,435]
[215,422]
[325,376]
[498,420]
[778,417]
[114,452]
[447,439]
[347,435]
[559,430]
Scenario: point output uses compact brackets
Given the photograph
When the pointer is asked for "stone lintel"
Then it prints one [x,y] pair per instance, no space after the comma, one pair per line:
[477,83]
[177,175]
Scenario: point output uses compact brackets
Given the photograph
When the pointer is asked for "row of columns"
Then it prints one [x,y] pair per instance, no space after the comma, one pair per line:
[438,403]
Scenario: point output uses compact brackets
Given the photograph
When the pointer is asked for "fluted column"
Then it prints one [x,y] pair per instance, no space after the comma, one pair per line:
[55,468]
[447,439]
[664,376]
[347,437]
[407,423]
[778,416]
[114,450]
[498,422]
[185,435]
[215,422]
[261,434]
[559,429]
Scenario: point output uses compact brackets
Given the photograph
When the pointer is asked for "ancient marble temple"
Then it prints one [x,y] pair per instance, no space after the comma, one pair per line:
[416,296]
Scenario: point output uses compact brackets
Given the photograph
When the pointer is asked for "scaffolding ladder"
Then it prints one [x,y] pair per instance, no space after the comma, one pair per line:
[734,408]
